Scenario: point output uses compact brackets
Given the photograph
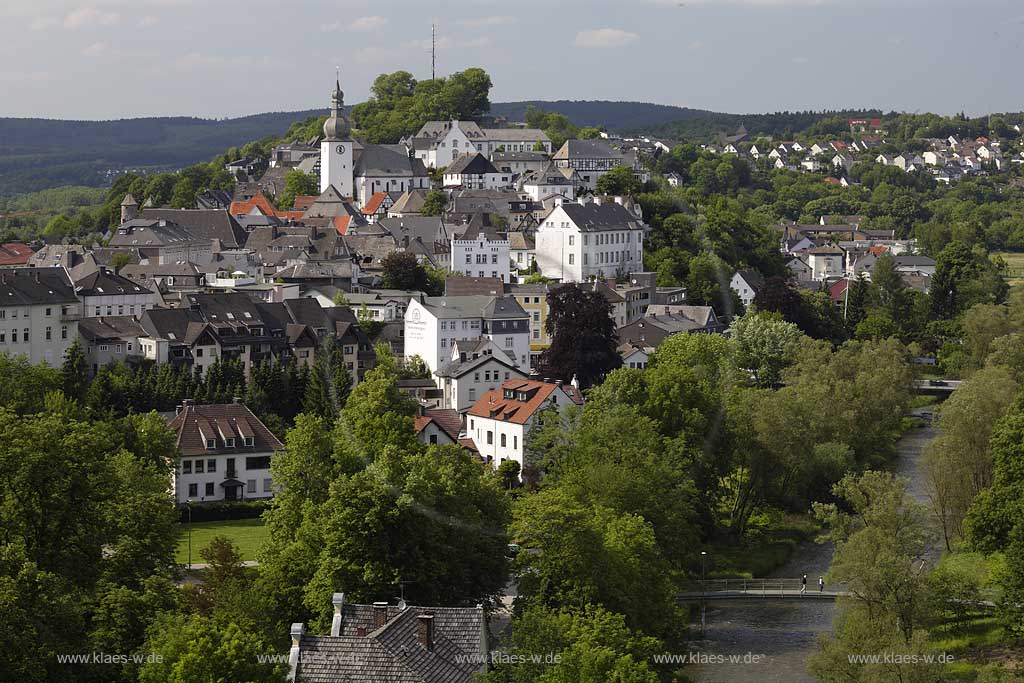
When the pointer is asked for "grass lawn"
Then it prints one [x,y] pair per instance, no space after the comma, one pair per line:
[1014,266]
[247,535]
[757,557]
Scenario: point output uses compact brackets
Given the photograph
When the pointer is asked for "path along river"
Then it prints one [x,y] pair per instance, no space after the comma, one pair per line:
[780,635]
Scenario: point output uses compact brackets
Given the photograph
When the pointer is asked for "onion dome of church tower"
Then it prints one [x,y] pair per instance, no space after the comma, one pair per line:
[336,126]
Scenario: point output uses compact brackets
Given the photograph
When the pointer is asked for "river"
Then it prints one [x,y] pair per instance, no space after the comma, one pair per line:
[779,636]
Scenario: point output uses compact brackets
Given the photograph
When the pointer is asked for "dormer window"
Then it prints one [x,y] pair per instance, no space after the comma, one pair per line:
[229,442]
[249,441]
[211,444]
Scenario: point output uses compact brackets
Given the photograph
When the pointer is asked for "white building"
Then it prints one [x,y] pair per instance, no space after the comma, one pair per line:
[551,181]
[438,143]
[746,284]
[434,324]
[474,172]
[481,252]
[39,314]
[500,420]
[825,262]
[474,368]
[599,239]
[224,453]
[105,293]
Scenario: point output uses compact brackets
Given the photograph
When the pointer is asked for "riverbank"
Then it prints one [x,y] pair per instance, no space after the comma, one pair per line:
[762,556]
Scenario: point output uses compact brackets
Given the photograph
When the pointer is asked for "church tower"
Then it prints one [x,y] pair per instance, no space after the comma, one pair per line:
[336,148]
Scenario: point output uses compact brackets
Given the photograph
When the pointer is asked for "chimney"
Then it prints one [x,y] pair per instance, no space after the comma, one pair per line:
[380,614]
[274,233]
[297,631]
[312,232]
[425,631]
[338,600]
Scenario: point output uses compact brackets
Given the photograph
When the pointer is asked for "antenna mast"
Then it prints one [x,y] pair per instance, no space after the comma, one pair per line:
[433,51]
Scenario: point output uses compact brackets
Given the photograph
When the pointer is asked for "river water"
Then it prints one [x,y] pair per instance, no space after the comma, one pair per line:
[779,636]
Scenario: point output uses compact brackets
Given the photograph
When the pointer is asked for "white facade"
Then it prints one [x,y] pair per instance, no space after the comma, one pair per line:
[568,253]
[432,327]
[481,257]
[336,166]
[743,289]
[117,304]
[194,480]
[478,181]
[825,265]
[367,186]
[42,333]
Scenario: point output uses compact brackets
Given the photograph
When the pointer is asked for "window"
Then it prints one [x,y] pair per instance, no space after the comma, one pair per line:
[199,353]
[503,441]
[515,441]
[99,311]
[266,486]
[199,466]
[3,337]
[536,334]
[229,442]
[494,258]
[249,439]
[49,311]
[476,376]
[572,240]
[186,467]
[257,462]
[24,335]
[469,258]
[250,486]
[209,488]
[49,333]
[508,342]
[117,347]
[472,393]
[64,334]
[536,316]
[572,259]
[14,336]
[211,444]
[211,465]
[490,438]
[193,490]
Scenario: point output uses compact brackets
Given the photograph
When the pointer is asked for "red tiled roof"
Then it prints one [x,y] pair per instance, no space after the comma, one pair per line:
[833,181]
[14,254]
[447,420]
[341,224]
[494,405]
[373,205]
[878,249]
[304,201]
[258,201]
[290,215]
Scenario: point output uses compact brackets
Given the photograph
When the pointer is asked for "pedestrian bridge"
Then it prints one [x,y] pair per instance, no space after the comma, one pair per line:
[936,387]
[761,589]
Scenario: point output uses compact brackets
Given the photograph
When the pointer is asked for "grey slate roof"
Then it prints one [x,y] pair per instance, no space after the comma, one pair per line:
[587,149]
[386,161]
[606,216]
[104,282]
[34,286]
[203,224]
[489,307]
[470,164]
[110,327]
[392,653]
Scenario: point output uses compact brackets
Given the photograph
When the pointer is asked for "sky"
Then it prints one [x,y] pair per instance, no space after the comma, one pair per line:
[103,59]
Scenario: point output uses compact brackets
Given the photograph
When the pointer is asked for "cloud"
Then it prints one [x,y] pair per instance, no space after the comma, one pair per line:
[43,23]
[90,16]
[368,23]
[27,77]
[148,21]
[484,22]
[605,37]
[97,49]
[199,60]
[443,43]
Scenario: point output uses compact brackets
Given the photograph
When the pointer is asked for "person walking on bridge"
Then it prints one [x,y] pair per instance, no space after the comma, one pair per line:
[803,584]
[821,584]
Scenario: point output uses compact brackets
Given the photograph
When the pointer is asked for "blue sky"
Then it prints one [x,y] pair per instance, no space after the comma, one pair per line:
[124,58]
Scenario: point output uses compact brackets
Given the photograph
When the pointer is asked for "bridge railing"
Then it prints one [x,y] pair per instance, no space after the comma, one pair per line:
[780,586]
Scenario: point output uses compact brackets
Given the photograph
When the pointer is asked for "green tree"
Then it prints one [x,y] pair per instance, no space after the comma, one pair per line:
[435,203]
[765,345]
[296,184]
[75,372]
[618,181]
[583,336]
[402,271]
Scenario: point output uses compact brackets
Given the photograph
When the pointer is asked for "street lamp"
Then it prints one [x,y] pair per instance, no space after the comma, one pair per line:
[188,506]
[703,589]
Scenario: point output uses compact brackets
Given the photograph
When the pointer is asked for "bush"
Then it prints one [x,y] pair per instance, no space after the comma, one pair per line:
[224,510]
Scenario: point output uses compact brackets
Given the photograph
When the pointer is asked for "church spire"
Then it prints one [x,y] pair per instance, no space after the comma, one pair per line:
[336,127]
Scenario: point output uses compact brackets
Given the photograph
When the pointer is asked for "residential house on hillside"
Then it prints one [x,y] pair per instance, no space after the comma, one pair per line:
[474,172]
[224,453]
[104,292]
[434,324]
[113,339]
[438,426]
[746,284]
[500,420]
[474,367]
[599,239]
[591,159]
[661,322]
[39,314]
[481,251]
